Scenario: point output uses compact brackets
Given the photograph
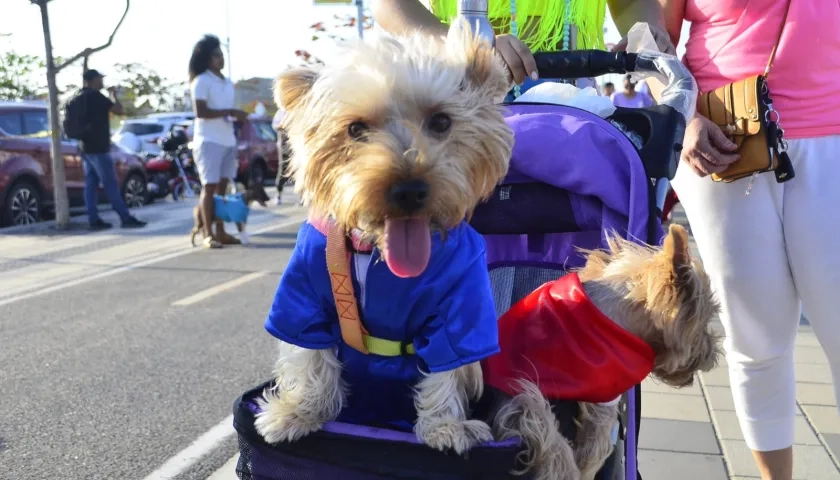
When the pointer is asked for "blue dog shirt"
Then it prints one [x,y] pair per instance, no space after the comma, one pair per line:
[447,313]
[231,208]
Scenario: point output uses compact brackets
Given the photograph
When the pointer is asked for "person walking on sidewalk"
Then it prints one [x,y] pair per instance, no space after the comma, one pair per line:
[214,138]
[95,145]
[629,97]
[773,252]
[282,154]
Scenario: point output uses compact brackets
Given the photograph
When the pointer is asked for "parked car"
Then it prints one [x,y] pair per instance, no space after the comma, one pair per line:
[143,134]
[26,182]
[257,150]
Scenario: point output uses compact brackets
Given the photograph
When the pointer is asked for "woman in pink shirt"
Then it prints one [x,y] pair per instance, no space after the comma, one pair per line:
[776,251]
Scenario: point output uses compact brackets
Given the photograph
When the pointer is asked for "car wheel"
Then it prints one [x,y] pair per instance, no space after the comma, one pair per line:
[22,206]
[258,172]
[134,191]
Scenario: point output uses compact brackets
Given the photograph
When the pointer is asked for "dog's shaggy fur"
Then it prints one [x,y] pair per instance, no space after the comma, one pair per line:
[254,193]
[391,111]
[664,297]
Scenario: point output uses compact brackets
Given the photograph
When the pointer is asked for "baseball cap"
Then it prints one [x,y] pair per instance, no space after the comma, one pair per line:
[91,74]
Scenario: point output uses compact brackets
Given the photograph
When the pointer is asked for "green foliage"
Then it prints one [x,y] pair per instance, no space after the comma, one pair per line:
[144,88]
[18,74]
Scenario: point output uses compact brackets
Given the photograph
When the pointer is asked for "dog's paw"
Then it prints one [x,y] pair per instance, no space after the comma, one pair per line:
[456,435]
[278,421]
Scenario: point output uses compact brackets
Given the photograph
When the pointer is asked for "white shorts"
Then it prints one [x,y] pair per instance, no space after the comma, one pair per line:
[215,162]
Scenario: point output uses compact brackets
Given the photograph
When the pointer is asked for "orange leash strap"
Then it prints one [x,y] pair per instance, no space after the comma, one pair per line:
[338,264]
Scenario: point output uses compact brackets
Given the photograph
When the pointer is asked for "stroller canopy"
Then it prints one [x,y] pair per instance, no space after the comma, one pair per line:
[584,177]
[582,153]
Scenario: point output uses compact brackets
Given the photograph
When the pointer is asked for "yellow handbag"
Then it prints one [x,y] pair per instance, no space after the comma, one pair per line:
[744,111]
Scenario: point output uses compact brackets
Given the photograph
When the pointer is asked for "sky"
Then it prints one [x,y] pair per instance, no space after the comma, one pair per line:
[160,33]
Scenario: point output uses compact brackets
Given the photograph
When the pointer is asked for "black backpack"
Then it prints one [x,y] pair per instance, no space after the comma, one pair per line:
[74,123]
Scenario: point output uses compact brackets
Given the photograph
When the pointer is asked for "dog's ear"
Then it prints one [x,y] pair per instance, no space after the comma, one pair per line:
[291,86]
[676,248]
[485,71]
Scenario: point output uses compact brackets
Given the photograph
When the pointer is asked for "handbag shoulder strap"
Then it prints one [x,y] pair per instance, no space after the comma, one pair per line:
[778,39]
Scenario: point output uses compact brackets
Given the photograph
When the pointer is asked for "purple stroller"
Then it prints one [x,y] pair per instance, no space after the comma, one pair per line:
[597,175]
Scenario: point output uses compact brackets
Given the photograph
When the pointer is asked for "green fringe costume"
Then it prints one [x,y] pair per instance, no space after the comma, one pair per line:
[587,15]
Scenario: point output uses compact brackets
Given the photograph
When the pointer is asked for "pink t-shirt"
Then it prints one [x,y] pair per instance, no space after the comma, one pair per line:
[731,40]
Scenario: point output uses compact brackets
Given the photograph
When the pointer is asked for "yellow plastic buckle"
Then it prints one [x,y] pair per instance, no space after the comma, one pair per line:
[387,348]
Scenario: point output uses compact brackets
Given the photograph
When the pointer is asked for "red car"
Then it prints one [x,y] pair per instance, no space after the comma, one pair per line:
[26,182]
[257,150]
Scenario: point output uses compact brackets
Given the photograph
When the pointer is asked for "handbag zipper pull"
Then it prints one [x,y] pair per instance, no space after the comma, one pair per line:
[784,170]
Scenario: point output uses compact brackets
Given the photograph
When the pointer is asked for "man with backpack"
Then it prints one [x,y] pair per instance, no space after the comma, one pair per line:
[87,119]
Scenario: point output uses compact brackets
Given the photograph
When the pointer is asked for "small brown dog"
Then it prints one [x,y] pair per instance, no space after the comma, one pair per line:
[254,193]
[660,296]
[395,144]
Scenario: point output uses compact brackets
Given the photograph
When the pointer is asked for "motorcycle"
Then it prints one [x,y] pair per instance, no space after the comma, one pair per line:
[173,171]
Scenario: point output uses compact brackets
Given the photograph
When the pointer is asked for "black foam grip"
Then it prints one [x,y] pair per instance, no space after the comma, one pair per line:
[583,63]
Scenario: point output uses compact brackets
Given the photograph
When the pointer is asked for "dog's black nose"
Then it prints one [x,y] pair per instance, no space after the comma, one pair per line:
[409,196]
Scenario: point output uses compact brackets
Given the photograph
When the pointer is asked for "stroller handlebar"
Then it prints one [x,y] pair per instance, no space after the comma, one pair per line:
[679,93]
[584,63]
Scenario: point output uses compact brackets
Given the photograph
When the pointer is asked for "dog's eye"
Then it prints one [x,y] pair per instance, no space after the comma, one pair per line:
[439,123]
[357,130]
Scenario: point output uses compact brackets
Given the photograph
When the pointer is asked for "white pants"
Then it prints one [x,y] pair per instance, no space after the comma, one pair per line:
[769,254]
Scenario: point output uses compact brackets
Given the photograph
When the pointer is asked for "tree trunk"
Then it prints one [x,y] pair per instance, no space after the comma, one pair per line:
[62,204]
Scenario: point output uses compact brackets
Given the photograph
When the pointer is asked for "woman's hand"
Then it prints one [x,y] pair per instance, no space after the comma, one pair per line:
[705,148]
[663,41]
[240,115]
[518,57]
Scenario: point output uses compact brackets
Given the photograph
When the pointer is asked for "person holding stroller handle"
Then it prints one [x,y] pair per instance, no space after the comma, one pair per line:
[538,31]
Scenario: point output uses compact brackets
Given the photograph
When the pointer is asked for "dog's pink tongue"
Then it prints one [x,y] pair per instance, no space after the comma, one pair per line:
[407,246]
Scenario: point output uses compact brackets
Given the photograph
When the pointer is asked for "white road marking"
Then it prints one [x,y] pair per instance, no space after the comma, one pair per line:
[22,247]
[156,258]
[198,449]
[215,290]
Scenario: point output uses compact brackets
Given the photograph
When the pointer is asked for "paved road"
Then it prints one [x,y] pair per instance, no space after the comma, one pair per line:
[109,378]
[120,351]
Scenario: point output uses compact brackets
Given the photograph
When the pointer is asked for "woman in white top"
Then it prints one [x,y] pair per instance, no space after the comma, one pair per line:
[214,142]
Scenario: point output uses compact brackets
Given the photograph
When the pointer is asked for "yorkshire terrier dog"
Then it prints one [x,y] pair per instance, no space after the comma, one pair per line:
[237,213]
[394,146]
[656,304]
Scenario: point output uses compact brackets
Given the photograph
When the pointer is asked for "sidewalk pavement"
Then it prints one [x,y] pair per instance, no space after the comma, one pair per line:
[693,433]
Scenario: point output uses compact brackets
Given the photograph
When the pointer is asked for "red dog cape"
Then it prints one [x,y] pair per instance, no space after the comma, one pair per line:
[557,338]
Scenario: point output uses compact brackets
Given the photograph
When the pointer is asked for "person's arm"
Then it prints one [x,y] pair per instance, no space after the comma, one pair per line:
[626,13]
[200,92]
[114,105]
[674,16]
[399,17]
